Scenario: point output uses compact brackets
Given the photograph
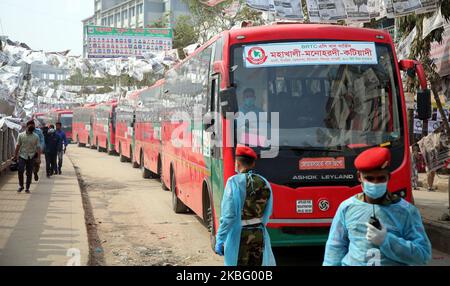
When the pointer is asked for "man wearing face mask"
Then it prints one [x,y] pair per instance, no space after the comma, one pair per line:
[376,228]
[27,153]
[52,143]
[246,208]
[250,102]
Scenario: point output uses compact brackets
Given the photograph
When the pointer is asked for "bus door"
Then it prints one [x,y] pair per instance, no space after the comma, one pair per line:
[212,141]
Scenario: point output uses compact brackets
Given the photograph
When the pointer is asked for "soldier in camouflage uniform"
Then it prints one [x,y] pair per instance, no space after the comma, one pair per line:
[252,236]
[251,198]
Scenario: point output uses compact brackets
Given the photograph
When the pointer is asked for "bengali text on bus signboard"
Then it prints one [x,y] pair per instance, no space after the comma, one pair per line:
[310,53]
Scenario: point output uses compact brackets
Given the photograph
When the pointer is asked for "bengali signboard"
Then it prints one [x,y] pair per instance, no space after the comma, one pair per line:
[310,53]
[108,42]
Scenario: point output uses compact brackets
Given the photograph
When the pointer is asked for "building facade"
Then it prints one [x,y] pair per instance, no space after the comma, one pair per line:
[134,13]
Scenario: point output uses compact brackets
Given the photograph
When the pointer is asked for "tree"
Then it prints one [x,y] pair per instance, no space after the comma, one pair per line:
[184,34]
[209,21]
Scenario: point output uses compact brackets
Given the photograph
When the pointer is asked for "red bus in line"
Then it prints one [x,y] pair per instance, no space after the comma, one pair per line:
[66,118]
[41,117]
[331,92]
[125,127]
[82,125]
[147,148]
[105,127]
[125,121]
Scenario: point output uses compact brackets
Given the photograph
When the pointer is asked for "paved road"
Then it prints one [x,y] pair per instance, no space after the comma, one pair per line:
[136,224]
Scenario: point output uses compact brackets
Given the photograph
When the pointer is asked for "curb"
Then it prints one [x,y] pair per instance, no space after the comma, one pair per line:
[439,235]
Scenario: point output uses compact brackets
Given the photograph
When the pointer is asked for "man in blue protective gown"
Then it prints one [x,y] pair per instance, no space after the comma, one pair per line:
[376,228]
[246,208]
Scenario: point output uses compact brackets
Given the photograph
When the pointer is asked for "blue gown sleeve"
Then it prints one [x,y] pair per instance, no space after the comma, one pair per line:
[338,242]
[412,249]
[228,214]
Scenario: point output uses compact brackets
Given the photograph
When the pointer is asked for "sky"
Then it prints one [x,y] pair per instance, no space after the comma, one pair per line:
[49,25]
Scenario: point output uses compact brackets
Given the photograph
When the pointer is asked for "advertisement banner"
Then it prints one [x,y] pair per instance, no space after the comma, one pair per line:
[405,7]
[332,11]
[310,53]
[313,11]
[357,10]
[440,53]
[108,42]
[289,9]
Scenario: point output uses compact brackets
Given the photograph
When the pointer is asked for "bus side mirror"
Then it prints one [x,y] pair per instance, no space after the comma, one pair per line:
[424,104]
[413,67]
[228,100]
[208,122]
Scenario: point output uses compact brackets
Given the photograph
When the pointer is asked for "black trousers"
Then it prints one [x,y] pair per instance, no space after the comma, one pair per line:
[26,166]
[50,163]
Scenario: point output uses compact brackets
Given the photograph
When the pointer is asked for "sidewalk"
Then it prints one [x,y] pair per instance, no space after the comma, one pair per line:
[40,228]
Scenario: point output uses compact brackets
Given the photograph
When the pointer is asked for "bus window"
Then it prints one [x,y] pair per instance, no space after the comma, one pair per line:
[338,104]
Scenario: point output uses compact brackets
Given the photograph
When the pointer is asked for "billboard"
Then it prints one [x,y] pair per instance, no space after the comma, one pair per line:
[109,42]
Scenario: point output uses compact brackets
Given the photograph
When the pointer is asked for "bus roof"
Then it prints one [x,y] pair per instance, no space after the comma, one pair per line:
[307,31]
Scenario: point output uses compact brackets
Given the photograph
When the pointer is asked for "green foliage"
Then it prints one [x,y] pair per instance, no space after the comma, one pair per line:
[209,21]
[184,34]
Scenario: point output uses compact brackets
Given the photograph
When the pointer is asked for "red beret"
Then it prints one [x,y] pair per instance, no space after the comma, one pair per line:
[373,159]
[244,151]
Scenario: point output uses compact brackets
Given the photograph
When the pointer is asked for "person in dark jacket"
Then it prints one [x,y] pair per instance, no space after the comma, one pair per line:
[62,147]
[52,143]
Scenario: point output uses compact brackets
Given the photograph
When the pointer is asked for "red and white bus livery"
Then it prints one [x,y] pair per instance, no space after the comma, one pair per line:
[82,125]
[147,151]
[105,127]
[328,93]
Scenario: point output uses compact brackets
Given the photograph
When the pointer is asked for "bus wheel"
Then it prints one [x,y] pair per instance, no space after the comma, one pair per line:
[90,144]
[208,218]
[163,186]
[123,159]
[134,164]
[146,174]
[133,161]
[177,205]
[99,149]
[110,151]
[210,225]
[79,143]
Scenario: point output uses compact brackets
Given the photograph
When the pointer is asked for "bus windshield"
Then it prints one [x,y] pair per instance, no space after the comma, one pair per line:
[322,105]
[66,121]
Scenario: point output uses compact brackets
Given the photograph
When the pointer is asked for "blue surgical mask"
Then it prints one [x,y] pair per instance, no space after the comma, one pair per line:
[249,101]
[374,191]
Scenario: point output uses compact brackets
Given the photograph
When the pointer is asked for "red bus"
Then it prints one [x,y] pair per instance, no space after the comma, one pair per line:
[41,117]
[105,127]
[66,118]
[330,91]
[147,148]
[82,125]
[125,137]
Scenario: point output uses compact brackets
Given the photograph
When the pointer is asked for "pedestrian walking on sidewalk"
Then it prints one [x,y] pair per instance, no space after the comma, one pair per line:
[62,147]
[52,143]
[376,227]
[27,152]
[37,164]
[246,208]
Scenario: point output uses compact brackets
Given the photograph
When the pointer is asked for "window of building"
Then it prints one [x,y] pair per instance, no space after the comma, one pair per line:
[140,8]
[132,12]
[124,15]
